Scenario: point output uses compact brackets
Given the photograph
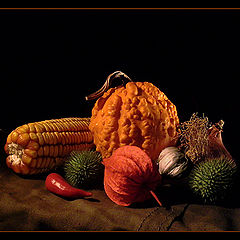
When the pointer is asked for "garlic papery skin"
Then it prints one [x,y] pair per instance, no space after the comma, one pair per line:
[172,162]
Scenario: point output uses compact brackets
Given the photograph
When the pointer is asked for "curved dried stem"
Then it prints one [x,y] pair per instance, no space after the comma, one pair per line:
[105,87]
[156,198]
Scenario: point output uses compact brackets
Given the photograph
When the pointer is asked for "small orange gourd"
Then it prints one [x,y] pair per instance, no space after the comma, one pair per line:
[136,114]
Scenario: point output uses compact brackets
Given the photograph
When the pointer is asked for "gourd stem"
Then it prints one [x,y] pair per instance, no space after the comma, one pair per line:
[156,198]
[105,87]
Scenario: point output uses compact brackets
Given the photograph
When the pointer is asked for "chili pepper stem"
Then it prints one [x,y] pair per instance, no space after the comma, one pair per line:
[156,198]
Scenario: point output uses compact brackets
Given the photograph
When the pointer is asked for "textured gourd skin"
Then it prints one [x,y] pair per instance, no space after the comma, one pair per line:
[137,114]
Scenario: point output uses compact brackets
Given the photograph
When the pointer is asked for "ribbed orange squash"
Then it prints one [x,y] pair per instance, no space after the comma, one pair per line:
[136,114]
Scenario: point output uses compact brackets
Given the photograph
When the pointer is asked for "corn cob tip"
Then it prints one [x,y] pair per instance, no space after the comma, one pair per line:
[42,146]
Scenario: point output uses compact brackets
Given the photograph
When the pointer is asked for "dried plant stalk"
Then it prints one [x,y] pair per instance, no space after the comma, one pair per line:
[105,87]
[194,137]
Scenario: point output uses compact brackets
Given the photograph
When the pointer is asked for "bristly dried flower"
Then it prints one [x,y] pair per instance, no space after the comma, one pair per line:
[194,137]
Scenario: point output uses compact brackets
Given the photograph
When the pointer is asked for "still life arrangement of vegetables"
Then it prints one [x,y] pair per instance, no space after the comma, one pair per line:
[133,141]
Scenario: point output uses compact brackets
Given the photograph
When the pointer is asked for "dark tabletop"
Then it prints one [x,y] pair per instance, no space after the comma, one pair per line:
[26,205]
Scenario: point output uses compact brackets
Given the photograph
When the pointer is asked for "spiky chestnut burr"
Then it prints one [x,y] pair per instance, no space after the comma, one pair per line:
[211,180]
[84,169]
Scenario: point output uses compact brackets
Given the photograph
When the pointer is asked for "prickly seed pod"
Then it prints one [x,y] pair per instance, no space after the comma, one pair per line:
[84,169]
[172,162]
[211,180]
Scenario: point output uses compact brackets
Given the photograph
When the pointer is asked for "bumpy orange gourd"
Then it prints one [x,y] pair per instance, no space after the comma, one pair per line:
[136,114]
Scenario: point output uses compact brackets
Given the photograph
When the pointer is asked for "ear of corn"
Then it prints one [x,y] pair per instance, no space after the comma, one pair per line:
[41,146]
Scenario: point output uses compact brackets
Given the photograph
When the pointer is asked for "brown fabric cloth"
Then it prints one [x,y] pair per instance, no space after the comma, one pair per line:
[26,205]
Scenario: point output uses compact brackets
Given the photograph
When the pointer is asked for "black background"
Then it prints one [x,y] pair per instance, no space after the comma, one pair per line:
[51,59]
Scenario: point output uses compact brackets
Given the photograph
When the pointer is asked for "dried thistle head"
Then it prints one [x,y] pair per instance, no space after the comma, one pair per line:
[194,137]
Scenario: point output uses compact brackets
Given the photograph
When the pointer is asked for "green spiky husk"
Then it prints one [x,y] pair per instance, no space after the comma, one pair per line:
[83,169]
[211,180]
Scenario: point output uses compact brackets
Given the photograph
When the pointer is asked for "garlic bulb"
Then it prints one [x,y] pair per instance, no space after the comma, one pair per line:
[172,162]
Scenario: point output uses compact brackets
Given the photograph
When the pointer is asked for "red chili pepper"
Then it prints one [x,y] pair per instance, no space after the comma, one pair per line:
[58,185]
